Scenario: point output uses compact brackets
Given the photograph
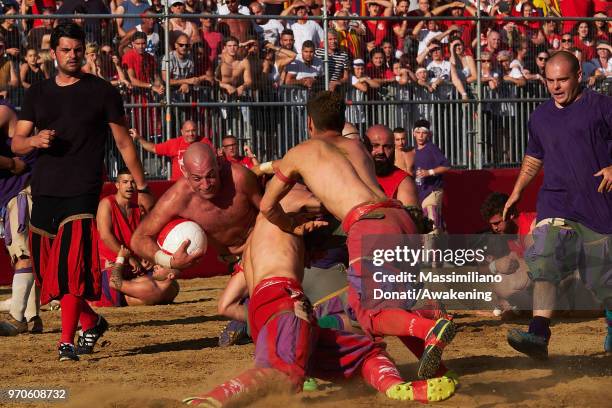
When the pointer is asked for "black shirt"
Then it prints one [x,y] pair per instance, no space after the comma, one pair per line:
[79,114]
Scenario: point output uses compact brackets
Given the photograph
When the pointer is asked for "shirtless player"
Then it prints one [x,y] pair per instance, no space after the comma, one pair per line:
[340,173]
[288,342]
[234,74]
[223,198]
[117,218]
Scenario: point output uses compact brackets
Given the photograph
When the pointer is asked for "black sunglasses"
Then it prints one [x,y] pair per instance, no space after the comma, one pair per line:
[566,40]
[182,45]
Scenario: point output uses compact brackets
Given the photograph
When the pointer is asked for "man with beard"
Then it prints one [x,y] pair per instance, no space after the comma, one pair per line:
[395,182]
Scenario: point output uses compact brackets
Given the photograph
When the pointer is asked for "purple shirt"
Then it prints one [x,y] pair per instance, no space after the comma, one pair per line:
[429,157]
[10,184]
[574,143]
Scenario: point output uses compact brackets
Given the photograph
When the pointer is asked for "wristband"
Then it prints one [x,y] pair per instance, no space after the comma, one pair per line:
[120,260]
[493,268]
[163,259]
[266,167]
[431,172]
[144,190]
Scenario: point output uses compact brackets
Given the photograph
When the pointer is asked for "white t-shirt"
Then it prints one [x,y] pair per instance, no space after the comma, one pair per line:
[516,69]
[270,31]
[303,32]
[222,10]
[302,70]
[438,70]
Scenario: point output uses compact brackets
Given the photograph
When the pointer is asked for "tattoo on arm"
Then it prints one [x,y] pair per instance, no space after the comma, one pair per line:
[116,279]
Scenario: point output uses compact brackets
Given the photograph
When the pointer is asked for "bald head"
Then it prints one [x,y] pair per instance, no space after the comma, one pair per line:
[379,140]
[198,154]
[563,76]
[564,58]
[189,130]
[201,170]
[350,131]
[380,132]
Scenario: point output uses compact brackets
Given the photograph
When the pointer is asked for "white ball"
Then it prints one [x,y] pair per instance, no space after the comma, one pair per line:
[177,231]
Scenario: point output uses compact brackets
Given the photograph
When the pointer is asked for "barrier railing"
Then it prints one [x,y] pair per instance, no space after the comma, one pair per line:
[487,130]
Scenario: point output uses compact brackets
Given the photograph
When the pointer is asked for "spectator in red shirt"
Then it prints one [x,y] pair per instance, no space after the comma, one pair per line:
[583,40]
[377,30]
[173,148]
[213,39]
[229,150]
[376,69]
[602,29]
[141,66]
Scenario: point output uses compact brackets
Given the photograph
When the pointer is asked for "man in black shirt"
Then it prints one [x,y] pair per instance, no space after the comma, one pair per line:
[71,113]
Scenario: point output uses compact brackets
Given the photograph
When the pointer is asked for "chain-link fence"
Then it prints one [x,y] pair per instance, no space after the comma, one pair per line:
[181,66]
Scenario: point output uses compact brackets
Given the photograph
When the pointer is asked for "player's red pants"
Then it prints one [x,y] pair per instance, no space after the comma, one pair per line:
[370,227]
[289,345]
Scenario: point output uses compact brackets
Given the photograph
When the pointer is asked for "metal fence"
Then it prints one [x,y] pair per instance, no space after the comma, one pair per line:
[488,130]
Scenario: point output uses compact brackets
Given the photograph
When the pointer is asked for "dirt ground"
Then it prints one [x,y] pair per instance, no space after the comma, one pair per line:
[155,356]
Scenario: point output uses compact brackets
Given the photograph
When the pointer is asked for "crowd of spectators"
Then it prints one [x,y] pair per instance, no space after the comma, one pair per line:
[238,55]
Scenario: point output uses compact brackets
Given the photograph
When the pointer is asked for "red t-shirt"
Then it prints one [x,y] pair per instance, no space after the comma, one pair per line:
[242,160]
[175,148]
[377,31]
[574,8]
[378,73]
[144,65]
[46,4]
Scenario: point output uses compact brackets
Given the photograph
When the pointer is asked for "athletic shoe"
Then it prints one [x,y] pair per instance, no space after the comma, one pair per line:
[234,333]
[35,325]
[9,326]
[608,343]
[67,352]
[432,390]
[87,339]
[310,384]
[528,343]
[438,337]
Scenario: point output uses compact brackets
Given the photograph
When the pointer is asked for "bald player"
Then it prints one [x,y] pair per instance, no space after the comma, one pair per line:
[340,173]
[396,183]
[289,344]
[222,197]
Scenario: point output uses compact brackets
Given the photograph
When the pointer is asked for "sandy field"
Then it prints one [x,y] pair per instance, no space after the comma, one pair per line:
[155,356]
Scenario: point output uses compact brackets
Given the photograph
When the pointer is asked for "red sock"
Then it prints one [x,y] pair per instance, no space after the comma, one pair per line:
[246,382]
[398,322]
[71,309]
[417,346]
[88,318]
[380,372]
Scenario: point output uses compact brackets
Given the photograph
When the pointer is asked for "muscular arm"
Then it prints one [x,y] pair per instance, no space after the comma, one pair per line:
[143,241]
[229,301]
[529,169]
[276,189]
[20,144]
[135,81]
[104,223]
[407,193]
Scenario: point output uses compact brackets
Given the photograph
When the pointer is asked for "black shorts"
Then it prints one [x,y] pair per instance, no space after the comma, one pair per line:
[48,212]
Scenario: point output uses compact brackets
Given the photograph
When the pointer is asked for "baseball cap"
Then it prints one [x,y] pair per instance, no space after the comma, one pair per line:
[504,7]
[358,62]
[173,2]
[602,44]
